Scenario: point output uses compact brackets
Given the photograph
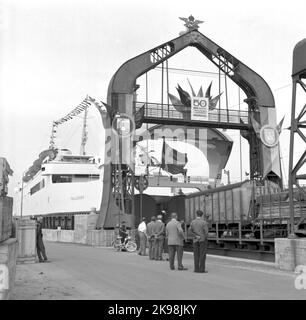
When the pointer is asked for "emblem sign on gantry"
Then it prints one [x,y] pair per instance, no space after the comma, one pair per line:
[199,108]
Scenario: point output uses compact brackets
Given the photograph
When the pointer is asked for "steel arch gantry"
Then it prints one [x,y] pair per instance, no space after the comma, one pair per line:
[264,160]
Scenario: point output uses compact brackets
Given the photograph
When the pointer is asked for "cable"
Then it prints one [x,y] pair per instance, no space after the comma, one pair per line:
[277,89]
[283,165]
[240,151]
[88,118]
[219,79]
[162,87]
[210,74]
[226,97]
[280,88]
[147,125]
[189,71]
[71,135]
[167,75]
[94,141]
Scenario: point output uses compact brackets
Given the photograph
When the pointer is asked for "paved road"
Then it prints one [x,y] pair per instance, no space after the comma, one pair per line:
[82,272]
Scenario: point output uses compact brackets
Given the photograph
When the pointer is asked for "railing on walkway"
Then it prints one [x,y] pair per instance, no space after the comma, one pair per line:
[165,111]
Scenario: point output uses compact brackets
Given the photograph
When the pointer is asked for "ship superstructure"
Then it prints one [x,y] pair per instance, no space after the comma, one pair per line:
[68,184]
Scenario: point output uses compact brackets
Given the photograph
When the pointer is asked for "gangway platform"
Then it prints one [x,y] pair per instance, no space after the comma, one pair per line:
[158,113]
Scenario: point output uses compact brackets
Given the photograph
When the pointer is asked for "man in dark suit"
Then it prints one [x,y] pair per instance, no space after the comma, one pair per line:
[159,238]
[175,235]
[199,231]
[40,248]
[151,238]
[165,220]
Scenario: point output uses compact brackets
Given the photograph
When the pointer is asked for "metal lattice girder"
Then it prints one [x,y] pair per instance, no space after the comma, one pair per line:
[298,74]
[299,164]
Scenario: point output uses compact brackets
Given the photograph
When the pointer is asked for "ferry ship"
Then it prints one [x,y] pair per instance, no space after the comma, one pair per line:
[60,184]
[67,184]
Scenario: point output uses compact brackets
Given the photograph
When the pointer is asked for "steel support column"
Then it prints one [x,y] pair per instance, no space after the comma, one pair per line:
[298,74]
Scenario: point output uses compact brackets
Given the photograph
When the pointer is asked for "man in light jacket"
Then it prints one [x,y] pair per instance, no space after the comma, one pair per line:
[175,235]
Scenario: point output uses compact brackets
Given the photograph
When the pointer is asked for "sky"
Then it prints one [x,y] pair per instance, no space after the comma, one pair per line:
[54,53]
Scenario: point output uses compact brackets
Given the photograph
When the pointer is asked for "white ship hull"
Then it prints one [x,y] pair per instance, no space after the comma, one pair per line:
[61,188]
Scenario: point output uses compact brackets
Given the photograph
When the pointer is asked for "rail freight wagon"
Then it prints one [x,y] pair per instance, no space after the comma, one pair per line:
[232,212]
[227,204]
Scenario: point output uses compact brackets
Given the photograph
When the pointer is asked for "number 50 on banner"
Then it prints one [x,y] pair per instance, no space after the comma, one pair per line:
[199,108]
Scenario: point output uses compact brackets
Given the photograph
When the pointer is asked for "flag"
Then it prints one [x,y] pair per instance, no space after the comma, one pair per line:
[172,160]
[139,115]
[81,107]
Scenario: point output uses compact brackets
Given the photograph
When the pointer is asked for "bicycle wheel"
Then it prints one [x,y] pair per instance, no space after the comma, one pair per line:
[115,245]
[131,246]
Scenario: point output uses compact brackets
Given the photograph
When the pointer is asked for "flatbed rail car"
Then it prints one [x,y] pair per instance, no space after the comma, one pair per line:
[233,222]
[274,212]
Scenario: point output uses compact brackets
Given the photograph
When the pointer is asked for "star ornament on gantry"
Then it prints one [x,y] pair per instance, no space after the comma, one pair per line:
[190,23]
[183,104]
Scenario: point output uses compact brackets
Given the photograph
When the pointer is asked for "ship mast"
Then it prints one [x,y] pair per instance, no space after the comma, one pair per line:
[52,137]
[84,133]
[77,110]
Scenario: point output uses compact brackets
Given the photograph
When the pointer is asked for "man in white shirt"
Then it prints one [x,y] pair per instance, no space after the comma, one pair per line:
[142,232]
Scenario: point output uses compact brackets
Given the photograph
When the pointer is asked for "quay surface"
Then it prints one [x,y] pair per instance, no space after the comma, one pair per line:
[83,272]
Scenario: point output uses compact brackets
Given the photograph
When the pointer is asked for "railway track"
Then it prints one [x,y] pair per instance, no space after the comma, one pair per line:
[261,255]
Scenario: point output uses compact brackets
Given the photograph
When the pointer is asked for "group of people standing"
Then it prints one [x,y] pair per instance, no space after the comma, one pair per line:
[152,233]
[169,237]
[160,237]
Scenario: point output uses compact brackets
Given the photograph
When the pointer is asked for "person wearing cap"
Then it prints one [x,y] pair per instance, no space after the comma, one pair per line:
[199,230]
[142,232]
[93,211]
[165,216]
[122,231]
[151,238]
[159,229]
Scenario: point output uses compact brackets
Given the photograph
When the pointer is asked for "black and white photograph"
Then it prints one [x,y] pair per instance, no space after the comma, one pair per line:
[152,153]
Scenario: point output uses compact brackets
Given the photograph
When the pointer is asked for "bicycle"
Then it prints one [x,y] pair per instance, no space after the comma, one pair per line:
[128,245]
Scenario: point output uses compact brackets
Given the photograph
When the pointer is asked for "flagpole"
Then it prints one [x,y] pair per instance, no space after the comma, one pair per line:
[162,160]
[240,153]
[159,174]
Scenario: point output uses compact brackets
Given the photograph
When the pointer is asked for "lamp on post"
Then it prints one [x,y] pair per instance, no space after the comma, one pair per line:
[141,187]
[227,172]
[141,184]
[246,174]
[123,127]
[21,196]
